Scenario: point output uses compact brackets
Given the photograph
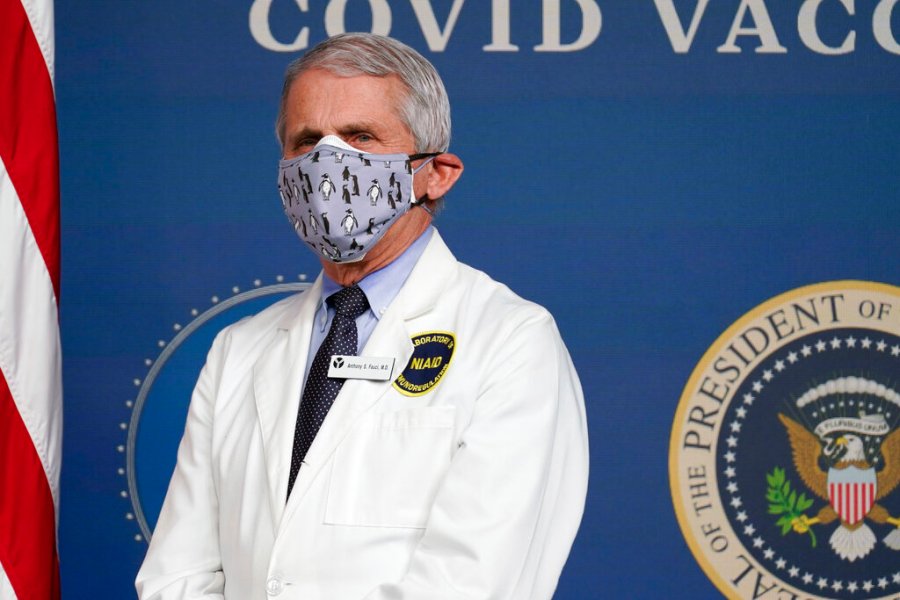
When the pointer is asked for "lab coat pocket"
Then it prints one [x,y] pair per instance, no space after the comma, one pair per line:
[387,471]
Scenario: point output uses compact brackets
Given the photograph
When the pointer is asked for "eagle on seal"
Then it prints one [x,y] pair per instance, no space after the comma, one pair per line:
[851,486]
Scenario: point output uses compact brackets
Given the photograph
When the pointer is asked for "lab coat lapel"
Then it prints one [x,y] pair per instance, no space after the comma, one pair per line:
[357,396]
[391,338]
[277,381]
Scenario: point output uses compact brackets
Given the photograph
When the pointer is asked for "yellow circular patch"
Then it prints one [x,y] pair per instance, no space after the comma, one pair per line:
[433,351]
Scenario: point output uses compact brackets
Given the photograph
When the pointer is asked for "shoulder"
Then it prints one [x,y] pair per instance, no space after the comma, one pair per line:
[498,318]
[497,299]
[278,314]
[254,332]
[476,293]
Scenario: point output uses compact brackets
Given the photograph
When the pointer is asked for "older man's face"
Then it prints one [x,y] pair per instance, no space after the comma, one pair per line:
[364,111]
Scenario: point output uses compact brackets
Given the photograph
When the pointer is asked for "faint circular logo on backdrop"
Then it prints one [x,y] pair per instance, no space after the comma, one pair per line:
[159,409]
[784,460]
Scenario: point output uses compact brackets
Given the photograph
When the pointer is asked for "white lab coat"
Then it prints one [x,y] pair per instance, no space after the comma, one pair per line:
[473,490]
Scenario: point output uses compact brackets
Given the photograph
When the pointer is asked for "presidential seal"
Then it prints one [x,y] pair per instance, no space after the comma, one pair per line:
[784,460]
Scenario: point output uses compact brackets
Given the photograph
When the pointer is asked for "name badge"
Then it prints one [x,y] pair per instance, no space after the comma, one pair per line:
[361,367]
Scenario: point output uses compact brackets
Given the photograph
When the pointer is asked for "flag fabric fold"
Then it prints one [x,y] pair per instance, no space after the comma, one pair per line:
[30,353]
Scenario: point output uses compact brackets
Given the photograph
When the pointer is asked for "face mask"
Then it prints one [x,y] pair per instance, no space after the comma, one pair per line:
[341,200]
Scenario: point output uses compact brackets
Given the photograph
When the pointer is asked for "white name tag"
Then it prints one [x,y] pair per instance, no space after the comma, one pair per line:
[361,367]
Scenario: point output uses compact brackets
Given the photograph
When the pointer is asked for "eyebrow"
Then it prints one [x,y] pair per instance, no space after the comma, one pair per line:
[359,127]
[294,138]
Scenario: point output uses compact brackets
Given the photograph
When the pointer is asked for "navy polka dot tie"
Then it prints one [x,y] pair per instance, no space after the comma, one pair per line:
[321,390]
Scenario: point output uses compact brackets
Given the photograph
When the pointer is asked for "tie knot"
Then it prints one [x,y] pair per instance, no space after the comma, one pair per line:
[349,302]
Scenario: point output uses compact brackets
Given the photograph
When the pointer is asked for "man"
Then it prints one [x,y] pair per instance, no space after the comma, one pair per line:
[449,459]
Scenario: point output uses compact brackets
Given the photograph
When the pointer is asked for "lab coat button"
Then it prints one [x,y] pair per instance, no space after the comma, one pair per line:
[274,586]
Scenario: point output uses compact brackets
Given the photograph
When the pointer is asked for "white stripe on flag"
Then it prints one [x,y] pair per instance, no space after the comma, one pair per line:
[29,333]
[6,591]
[30,351]
[40,15]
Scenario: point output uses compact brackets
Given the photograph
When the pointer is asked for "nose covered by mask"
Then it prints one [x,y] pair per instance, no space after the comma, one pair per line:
[341,200]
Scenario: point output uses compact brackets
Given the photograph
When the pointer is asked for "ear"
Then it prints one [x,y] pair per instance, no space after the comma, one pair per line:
[441,174]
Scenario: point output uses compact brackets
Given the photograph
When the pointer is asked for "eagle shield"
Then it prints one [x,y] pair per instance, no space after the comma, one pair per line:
[852,492]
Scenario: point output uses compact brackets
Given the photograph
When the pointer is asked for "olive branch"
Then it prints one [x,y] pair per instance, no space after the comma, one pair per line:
[785,502]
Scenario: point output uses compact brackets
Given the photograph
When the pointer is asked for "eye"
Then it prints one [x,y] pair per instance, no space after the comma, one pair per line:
[299,144]
[363,138]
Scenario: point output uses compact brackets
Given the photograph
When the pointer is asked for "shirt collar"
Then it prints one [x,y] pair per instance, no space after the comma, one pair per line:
[383,285]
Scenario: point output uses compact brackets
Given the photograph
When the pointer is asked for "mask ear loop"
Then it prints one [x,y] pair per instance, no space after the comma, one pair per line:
[421,204]
[430,155]
[421,201]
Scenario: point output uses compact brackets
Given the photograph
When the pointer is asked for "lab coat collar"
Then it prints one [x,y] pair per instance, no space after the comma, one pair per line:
[427,281]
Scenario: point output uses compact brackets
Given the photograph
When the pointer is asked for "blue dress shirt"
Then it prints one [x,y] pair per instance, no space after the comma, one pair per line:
[380,287]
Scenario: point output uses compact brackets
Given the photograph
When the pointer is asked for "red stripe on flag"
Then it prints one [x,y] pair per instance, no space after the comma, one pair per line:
[848,500]
[29,151]
[862,494]
[861,508]
[28,142]
[27,518]
[842,510]
[836,502]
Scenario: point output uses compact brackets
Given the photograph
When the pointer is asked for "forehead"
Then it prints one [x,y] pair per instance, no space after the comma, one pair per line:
[321,98]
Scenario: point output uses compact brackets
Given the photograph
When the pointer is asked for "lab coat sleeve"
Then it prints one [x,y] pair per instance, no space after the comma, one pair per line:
[505,516]
[183,559]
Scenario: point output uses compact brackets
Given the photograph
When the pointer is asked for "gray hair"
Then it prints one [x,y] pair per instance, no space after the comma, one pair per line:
[425,109]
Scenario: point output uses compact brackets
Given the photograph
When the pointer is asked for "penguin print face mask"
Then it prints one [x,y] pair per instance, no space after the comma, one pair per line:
[341,200]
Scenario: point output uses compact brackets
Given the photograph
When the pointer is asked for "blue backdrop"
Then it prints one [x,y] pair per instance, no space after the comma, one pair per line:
[647,183]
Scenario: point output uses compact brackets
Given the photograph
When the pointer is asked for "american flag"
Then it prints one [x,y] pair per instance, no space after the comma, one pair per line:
[30,361]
